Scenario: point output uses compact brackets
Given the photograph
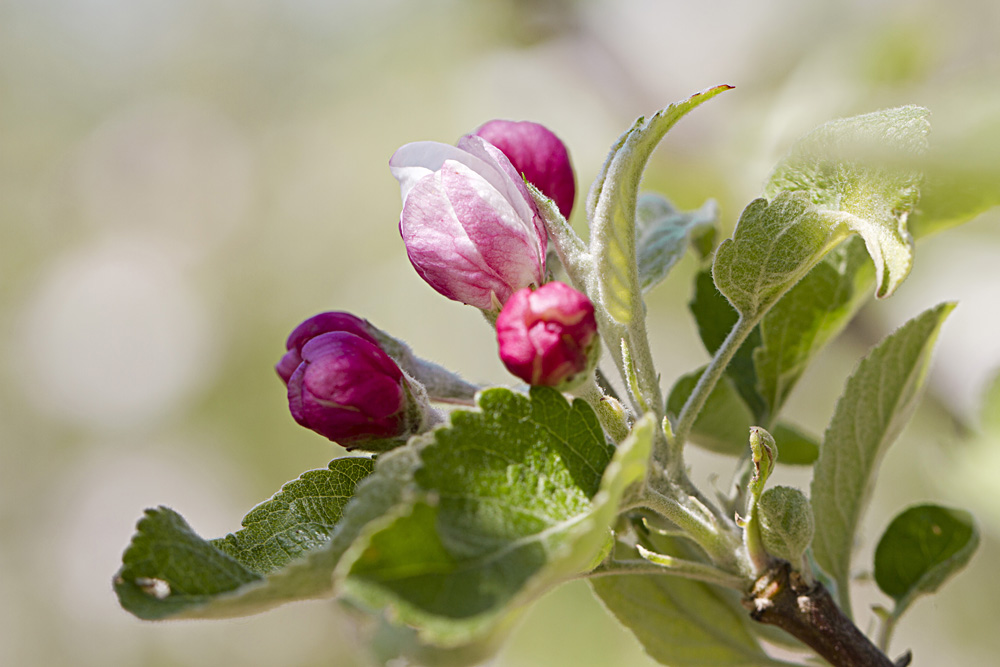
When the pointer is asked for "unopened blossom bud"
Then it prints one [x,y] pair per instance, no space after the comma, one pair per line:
[548,336]
[538,154]
[314,326]
[348,390]
[470,226]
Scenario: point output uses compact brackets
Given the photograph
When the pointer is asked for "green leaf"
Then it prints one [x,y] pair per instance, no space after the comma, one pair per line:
[715,317]
[723,423]
[612,207]
[960,174]
[664,234]
[681,623]
[861,170]
[284,552]
[809,316]
[922,547]
[877,402]
[773,247]
[797,448]
[508,501]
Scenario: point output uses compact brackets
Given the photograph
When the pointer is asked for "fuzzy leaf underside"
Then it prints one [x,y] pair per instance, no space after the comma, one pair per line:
[508,501]
[876,403]
[864,172]
[664,235]
[612,207]
[773,247]
[922,547]
[285,551]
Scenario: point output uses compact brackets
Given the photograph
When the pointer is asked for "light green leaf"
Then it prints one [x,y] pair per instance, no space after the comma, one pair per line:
[612,207]
[773,247]
[681,623]
[877,402]
[860,171]
[715,317]
[723,423]
[922,547]
[284,552]
[664,234]
[797,447]
[809,316]
[508,501]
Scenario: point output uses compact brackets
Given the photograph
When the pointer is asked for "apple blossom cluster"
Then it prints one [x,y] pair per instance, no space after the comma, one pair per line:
[474,233]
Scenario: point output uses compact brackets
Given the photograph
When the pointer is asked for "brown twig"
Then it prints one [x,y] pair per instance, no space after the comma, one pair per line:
[781,597]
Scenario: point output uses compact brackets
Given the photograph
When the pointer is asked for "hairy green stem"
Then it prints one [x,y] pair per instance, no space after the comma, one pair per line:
[699,523]
[706,383]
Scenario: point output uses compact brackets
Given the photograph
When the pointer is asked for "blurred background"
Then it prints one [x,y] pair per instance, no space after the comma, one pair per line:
[183,181]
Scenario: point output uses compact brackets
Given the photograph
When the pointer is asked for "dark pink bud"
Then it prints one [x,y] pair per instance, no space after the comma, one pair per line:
[548,336]
[347,389]
[314,326]
[538,154]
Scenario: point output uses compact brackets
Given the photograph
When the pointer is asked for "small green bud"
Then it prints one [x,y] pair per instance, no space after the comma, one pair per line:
[786,522]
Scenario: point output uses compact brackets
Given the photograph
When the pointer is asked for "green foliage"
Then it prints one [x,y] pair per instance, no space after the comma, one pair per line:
[786,522]
[284,552]
[679,622]
[507,501]
[611,207]
[715,317]
[663,234]
[877,402]
[797,447]
[922,547]
[774,246]
[723,423]
[809,316]
[859,171]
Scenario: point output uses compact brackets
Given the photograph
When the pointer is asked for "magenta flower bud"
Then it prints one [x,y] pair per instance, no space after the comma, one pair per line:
[314,326]
[548,336]
[538,154]
[348,390]
[470,226]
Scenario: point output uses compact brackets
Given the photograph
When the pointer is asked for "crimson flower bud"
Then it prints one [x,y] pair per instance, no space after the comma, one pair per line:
[344,386]
[538,154]
[548,336]
[348,390]
[314,326]
[470,226]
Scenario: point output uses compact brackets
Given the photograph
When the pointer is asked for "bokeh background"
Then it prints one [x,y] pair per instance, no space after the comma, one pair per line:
[183,181]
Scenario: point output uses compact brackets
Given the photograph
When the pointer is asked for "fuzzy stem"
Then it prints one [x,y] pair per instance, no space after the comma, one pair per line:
[706,383]
[698,522]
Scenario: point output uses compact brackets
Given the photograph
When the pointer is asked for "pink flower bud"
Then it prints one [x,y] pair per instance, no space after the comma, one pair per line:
[548,336]
[538,154]
[348,390]
[470,226]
